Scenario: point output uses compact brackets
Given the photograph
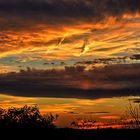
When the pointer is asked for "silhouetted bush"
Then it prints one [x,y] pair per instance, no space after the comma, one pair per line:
[131,117]
[25,117]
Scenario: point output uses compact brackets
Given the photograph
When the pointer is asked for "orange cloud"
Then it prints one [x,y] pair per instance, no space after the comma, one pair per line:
[110,117]
[6,69]
[106,38]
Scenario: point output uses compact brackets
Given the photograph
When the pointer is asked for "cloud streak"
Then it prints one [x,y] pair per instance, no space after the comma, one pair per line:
[55,29]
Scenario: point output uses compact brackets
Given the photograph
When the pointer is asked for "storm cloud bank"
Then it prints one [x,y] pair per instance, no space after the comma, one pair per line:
[72,8]
[110,81]
[62,10]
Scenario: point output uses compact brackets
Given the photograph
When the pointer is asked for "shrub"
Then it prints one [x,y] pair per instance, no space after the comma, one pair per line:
[26,117]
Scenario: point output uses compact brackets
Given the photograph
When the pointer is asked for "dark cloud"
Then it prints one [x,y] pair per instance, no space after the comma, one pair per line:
[74,113]
[57,11]
[56,92]
[110,81]
[135,100]
[135,57]
[71,8]
[113,60]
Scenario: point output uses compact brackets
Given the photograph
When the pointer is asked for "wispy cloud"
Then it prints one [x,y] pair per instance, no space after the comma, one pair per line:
[55,29]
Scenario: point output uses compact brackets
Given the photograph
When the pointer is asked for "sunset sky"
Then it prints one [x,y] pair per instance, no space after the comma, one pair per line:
[38,36]
[42,33]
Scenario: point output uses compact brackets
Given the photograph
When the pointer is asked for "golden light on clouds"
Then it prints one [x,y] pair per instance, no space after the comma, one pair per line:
[67,39]
[6,69]
[102,110]
[107,38]
[70,57]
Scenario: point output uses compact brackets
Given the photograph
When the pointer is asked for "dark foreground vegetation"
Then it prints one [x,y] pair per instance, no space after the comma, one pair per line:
[27,122]
[25,117]
[72,134]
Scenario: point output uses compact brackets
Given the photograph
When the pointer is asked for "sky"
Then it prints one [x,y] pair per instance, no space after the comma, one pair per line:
[48,33]
[101,36]
[70,110]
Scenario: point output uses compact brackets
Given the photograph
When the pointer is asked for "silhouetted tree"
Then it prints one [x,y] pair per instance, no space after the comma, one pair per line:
[131,117]
[26,117]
